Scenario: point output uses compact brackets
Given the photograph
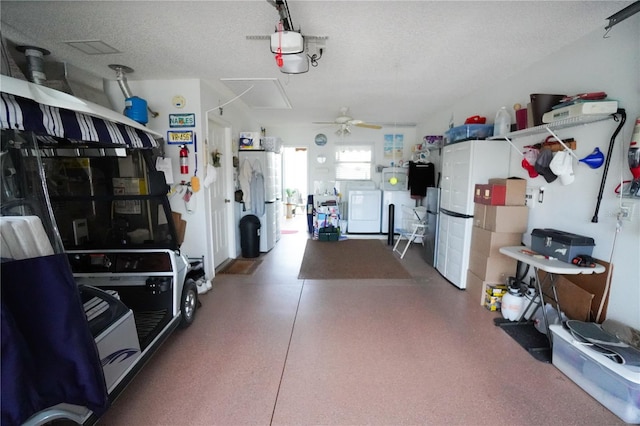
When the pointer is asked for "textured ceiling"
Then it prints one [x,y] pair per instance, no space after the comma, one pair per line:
[387,60]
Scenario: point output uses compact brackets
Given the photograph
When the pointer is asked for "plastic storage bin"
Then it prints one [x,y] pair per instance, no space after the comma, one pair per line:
[468,131]
[614,385]
[561,245]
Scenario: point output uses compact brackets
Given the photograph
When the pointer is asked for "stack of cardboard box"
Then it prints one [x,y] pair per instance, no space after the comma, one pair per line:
[499,220]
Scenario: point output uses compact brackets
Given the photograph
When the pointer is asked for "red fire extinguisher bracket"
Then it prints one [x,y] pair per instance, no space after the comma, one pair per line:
[184,160]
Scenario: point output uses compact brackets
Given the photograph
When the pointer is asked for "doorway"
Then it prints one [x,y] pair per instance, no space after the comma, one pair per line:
[219,207]
[295,186]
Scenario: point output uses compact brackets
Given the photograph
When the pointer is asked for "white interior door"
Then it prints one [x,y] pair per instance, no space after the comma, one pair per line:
[219,196]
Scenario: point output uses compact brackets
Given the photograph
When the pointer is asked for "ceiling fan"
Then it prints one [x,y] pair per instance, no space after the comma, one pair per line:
[345,122]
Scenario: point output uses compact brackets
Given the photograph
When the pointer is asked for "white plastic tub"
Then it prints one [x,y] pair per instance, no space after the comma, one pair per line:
[614,385]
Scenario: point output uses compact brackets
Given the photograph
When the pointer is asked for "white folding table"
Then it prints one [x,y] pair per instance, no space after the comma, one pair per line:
[552,267]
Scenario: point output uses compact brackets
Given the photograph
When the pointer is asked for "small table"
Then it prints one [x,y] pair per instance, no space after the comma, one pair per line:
[552,267]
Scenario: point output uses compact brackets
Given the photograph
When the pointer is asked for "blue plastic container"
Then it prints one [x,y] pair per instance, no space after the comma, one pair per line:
[136,109]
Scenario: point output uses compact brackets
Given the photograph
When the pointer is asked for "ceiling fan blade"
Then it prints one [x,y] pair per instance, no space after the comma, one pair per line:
[324,122]
[368,126]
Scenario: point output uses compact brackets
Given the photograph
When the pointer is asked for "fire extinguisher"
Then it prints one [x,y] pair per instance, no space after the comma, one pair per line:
[184,160]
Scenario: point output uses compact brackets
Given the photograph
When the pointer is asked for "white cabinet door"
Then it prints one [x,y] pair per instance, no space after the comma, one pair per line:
[443,243]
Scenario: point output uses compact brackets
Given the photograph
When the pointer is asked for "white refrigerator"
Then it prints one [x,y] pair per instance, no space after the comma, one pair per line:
[464,164]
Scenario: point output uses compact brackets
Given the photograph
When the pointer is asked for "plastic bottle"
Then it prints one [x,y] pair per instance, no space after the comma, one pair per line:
[502,123]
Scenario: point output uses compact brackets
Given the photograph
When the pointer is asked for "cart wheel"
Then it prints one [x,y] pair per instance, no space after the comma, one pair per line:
[188,303]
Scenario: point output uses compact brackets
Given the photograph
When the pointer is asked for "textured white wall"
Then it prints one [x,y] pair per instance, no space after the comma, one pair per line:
[199,99]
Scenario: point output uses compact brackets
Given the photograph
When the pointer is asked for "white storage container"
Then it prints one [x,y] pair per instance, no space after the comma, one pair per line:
[614,385]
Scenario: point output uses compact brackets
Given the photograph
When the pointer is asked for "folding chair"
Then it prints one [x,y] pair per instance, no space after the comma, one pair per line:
[413,228]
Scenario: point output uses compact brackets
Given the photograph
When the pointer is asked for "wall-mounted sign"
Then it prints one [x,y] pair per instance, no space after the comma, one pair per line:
[182,120]
[179,137]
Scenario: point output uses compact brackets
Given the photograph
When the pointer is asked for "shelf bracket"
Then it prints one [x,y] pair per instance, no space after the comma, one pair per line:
[514,146]
[569,150]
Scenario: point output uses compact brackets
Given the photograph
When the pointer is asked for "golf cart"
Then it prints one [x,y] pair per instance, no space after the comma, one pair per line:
[92,277]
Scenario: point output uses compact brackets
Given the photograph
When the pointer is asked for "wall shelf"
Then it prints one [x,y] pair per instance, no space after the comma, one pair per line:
[550,127]
[556,125]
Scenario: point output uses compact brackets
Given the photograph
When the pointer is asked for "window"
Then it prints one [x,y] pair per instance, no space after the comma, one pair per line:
[354,162]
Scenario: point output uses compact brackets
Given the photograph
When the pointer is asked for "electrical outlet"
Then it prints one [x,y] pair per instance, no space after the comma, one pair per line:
[626,211]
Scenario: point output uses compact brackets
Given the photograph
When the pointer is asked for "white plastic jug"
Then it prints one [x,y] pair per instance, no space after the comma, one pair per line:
[502,123]
[513,303]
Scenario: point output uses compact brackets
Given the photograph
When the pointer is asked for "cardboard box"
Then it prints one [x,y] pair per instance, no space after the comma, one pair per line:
[515,190]
[490,194]
[492,303]
[497,290]
[249,141]
[181,226]
[594,284]
[478,288]
[489,242]
[479,214]
[494,269]
[506,218]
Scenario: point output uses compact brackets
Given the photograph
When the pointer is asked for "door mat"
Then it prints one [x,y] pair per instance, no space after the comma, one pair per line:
[241,266]
[527,336]
[289,231]
[350,259]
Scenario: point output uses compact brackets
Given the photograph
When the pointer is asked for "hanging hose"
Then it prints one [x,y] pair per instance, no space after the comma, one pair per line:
[623,118]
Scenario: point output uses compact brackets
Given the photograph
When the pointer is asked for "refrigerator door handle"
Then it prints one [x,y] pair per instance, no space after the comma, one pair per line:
[455,214]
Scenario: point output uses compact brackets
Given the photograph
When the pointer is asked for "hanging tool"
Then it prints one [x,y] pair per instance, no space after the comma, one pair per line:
[623,118]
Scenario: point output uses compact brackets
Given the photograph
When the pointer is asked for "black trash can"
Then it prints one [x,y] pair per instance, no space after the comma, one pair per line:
[250,236]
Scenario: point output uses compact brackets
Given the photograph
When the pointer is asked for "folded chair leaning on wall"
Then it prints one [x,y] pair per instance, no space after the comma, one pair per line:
[412,229]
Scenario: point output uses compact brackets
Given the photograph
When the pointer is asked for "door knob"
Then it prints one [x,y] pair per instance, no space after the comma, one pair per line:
[226,200]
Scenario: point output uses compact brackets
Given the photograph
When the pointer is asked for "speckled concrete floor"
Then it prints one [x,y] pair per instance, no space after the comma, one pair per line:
[268,348]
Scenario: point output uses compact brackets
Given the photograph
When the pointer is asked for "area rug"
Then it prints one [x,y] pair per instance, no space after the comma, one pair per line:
[350,259]
[527,336]
[289,231]
[241,266]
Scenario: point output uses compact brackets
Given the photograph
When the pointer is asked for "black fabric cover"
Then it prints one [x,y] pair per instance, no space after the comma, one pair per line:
[48,353]
[421,176]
